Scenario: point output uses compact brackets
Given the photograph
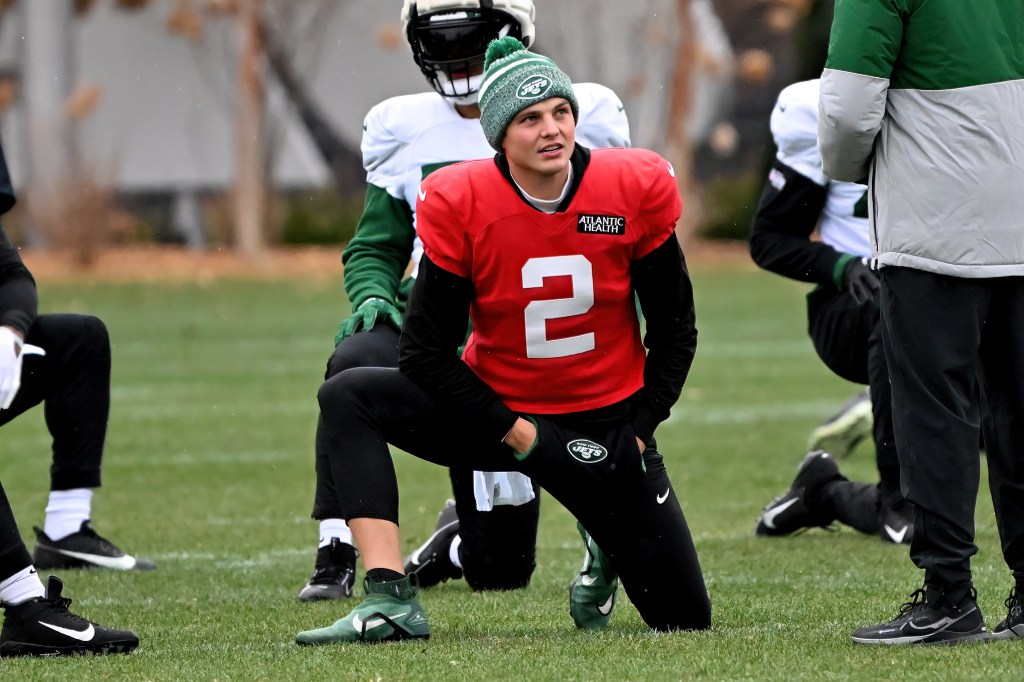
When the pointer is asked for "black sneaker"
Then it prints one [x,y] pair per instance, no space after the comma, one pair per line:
[334,574]
[930,618]
[896,520]
[794,510]
[43,626]
[1012,626]
[84,549]
[431,562]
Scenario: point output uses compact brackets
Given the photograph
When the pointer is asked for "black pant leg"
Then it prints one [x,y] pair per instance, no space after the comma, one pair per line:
[14,556]
[1002,354]
[499,547]
[932,330]
[636,520]
[73,382]
[848,339]
[377,347]
[366,408]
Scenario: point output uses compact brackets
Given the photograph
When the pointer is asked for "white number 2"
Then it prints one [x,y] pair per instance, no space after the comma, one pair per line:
[537,313]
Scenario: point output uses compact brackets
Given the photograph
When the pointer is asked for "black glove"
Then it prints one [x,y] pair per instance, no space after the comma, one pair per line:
[860,281]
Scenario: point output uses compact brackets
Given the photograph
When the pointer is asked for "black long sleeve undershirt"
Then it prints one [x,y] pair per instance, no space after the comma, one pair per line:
[19,304]
[436,323]
[662,284]
[780,235]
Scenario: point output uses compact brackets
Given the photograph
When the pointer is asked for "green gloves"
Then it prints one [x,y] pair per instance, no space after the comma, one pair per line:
[368,314]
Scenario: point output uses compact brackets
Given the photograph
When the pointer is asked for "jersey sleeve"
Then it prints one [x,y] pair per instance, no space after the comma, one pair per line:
[603,121]
[439,227]
[794,126]
[383,150]
[660,208]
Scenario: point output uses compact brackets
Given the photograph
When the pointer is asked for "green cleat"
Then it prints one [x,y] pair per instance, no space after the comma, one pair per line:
[592,593]
[389,613]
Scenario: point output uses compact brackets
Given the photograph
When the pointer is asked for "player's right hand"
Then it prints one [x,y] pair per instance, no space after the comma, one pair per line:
[366,316]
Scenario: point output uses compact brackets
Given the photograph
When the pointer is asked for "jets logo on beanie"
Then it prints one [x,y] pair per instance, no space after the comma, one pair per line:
[514,79]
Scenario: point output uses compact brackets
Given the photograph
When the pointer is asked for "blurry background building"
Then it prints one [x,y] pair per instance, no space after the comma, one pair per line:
[238,121]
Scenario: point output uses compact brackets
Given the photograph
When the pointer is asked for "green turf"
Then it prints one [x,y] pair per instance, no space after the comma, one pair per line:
[209,472]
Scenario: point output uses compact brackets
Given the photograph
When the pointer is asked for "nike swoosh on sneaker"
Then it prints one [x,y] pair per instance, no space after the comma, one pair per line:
[661,498]
[894,535]
[362,626]
[770,514]
[85,635]
[124,563]
[587,580]
[938,625]
[606,608]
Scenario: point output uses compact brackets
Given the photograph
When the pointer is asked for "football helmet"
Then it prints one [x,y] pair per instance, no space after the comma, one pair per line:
[449,39]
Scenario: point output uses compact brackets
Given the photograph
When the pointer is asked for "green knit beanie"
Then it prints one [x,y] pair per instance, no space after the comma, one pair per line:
[514,79]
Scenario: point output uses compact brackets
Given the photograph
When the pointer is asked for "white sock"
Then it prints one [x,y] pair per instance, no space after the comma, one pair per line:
[21,586]
[334,528]
[453,551]
[65,512]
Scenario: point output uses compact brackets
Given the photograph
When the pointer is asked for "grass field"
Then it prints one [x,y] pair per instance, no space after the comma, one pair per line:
[209,472]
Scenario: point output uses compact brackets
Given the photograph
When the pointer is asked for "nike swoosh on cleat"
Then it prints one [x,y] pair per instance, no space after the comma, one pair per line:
[661,498]
[362,626]
[124,563]
[587,580]
[770,514]
[894,535]
[606,608]
[85,635]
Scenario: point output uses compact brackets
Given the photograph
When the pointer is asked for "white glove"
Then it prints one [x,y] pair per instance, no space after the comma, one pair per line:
[12,351]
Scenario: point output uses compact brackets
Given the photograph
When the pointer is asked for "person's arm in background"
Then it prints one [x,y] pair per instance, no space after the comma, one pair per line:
[865,42]
[791,204]
[376,258]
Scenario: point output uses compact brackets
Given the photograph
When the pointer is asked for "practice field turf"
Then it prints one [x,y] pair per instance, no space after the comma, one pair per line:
[209,471]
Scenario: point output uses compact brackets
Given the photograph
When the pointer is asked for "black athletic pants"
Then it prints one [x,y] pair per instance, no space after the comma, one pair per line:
[625,501]
[73,380]
[942,336]
[848,339]
[498,550]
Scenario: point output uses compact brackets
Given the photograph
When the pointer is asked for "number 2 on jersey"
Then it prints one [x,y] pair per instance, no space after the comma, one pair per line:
[537,313]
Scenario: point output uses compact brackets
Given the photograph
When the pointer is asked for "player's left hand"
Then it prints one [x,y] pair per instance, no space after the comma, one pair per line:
[640,444]
[366,316]
[860,281]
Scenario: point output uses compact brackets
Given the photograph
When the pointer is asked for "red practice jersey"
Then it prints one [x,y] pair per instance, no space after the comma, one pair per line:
[555,328]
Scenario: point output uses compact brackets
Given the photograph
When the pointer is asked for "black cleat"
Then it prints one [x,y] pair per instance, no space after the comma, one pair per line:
[43,626]
[793,510]
[930,618]
[84,549]
[1012,627]
[334,574]
[431,562]
[840,434]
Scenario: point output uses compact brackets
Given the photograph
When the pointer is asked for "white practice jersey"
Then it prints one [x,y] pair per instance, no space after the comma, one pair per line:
[408,137]
[794,123]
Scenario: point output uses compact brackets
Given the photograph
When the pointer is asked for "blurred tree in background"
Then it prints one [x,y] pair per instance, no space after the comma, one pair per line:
[698,78]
